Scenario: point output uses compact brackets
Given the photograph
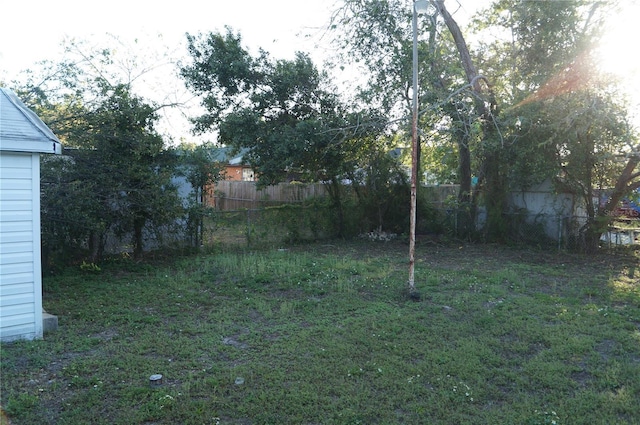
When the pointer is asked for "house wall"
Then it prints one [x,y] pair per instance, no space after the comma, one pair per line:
[20,268]
[542,199]
[234,173]
[546,207]
[238,173]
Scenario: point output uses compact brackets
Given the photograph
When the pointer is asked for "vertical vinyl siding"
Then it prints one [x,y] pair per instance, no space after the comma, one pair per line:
[20,270]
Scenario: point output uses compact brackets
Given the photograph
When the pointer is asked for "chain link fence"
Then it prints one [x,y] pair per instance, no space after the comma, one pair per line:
[279,225]
[556,231]
[287,224]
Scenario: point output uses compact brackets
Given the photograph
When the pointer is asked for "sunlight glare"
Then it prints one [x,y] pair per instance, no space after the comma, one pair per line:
[618,54]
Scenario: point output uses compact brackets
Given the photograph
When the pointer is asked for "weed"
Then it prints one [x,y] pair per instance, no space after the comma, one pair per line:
[20,404]
[90,267]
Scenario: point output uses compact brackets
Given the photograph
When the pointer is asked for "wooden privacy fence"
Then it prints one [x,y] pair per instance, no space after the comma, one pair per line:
[235,195]
[229,195]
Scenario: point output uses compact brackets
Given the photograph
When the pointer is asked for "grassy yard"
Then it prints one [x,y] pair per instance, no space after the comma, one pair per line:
[326,334]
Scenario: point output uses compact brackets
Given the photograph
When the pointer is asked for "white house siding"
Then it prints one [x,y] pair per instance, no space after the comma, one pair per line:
[20,268]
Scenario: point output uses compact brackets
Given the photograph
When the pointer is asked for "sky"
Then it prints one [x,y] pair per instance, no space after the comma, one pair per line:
[32,31]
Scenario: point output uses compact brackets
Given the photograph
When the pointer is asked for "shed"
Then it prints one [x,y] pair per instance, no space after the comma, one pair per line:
[23,138]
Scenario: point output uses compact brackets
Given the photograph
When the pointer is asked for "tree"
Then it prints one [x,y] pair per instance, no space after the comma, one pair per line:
[382,187]
[561,119]
[70,213]
[494,115]
[116,175]
[283,112]
[378,34]
[122,160]
[588,135]
[280,111]
[200,166]
[135,172]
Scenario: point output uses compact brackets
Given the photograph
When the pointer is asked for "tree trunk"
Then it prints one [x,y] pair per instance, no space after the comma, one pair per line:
[599,224]
[96,245]
[466,217]
[623,186]
[466,209]
[591,238]
[335,194]
[495,199]
[138,242]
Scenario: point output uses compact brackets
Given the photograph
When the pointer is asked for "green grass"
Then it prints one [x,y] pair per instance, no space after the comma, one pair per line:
[326,334]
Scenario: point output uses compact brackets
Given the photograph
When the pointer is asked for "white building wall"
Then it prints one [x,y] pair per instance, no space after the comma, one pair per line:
[20,268]
[546,207]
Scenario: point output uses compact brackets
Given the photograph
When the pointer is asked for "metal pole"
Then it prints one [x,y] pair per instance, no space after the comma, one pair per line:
[414,157]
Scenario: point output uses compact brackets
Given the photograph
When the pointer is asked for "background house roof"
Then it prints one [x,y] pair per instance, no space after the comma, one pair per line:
[230,156]
[21,130]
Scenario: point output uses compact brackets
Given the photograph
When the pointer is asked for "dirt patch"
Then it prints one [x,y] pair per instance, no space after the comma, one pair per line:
[106,335]
[232,341]
[582,378]
[606,349]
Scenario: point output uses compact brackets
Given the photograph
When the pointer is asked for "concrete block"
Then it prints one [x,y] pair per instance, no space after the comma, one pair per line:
[49,322]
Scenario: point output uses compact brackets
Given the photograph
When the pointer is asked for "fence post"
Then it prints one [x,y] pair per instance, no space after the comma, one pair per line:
[248,228]
[559,218]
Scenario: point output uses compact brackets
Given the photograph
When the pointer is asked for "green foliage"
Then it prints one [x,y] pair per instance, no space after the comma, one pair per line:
[20,404]
[200,165]
[580,140]
[70,212]
[439,159]
[90,267]
[544,37]
[545,62]
[291,223]
[540,70]
[430,220]
[376,36]
[320,219]
[221,70]
[201,168]
[284,112]
[563,122]
[379,34]
[123,160]
[293,125]
[115,175]
[382,190]
[134,169]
